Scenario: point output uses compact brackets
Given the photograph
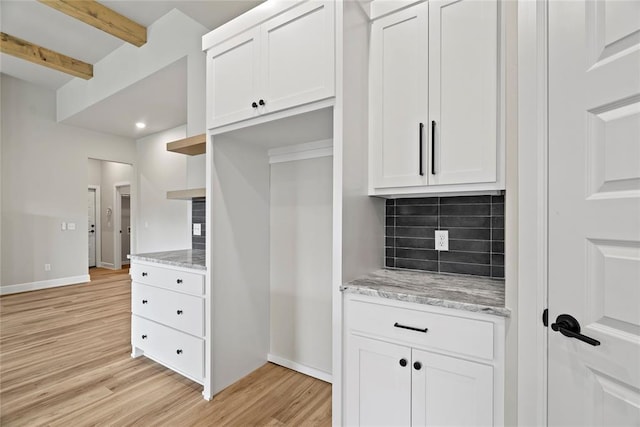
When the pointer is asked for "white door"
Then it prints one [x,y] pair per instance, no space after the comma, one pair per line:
[378,383]
[594,211]
[447,391]
[398,98]
[233,78]
[297,57]
[91,212]
[463,91]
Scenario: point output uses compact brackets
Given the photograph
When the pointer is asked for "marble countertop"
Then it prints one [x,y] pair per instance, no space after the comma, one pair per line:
[470,293]
[187,258]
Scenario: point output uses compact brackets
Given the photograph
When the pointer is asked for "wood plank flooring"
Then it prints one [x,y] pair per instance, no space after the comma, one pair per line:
[65,361]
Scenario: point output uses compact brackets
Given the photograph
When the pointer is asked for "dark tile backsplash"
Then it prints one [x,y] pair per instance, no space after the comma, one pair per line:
[198,217]
[476,234]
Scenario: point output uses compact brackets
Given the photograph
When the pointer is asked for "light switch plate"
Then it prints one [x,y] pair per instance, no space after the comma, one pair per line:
[442,240]
[197,230]
[64,226]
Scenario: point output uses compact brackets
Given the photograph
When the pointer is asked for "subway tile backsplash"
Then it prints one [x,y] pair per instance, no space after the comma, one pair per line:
[476,234]
[198,216]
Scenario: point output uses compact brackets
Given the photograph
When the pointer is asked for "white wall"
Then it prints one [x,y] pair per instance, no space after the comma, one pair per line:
[95,172]
[112,174]
[161,224]
[44,182]
[300,251]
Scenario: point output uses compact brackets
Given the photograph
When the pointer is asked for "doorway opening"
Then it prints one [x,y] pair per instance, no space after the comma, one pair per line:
[122,227]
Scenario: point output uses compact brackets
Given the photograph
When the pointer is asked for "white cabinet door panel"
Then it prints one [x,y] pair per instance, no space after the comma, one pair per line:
[463,90]
[398,90]
[233,79]
[378,388]
[447,391]
[298,57]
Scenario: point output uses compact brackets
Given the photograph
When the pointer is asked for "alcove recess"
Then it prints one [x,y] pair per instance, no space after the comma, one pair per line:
[192,146]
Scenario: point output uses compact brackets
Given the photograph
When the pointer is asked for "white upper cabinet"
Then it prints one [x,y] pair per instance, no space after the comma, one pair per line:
[436,120]
[463,90]
[287,61]
[398,102]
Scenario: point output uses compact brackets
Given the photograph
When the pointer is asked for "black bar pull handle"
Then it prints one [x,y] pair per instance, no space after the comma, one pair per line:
[411,328]
[420,131]
[568,326]
[433,147]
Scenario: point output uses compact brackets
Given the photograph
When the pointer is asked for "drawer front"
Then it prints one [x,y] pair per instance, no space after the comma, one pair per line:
[449,333]
[175,280]
[180,311]
[175,349]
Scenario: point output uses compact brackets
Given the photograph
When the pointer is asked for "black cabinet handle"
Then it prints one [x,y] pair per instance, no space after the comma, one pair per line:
[254,105]
[420,131]
[417,366]
[411,328]
[403,362]
[433,147]
[178,351]
[144,274]
[144,337]
[144,301]
[179,281]
[568,326]
[261,102]
[179,312]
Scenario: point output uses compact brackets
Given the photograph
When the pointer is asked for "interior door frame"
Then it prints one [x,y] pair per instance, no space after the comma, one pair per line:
[117,222]
[96,188]
[533,164]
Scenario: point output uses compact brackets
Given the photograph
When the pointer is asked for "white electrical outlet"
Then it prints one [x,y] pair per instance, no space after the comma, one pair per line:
[442,240]
[47,267]
[197,231]
[71,226]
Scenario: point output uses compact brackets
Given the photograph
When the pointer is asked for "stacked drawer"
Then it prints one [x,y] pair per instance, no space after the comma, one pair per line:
[168,320]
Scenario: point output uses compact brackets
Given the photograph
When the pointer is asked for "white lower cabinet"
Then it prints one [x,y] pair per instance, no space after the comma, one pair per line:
[403,377]
[168,318]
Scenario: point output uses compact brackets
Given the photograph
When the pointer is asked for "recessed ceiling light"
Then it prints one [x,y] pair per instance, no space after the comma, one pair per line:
[141,125]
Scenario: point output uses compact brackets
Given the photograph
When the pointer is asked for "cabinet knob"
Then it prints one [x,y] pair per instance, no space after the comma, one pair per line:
[261,102]
[178,351]
[144,274]
[144,301]
[144,337]
[254,105]
[179,281]
[179,312]
[403,362]
[417,366]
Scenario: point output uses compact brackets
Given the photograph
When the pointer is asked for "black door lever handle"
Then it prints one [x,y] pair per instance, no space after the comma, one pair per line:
[568,326]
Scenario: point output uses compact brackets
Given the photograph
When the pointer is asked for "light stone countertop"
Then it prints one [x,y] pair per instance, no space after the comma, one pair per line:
[470,293]
[187,258]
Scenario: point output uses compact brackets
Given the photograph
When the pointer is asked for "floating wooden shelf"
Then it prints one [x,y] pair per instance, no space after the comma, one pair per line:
[191,146]
[186,194]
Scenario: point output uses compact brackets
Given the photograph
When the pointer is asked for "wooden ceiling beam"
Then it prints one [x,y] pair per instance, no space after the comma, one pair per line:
[42,56]
[101,17]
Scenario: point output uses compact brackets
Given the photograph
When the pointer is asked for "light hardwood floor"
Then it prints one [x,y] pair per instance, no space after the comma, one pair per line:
[65,361]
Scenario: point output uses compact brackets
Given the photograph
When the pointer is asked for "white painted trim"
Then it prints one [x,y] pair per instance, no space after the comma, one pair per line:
[307,150]
[108,265]
[44,284]
[298,367]
[380,8]
[532,211]
[98,207]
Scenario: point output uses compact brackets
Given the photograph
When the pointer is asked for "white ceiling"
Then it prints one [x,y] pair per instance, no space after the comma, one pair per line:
[42,25]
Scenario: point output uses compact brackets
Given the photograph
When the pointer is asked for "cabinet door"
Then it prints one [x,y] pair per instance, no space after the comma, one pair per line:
[463,90]
[378,387]
[398,98]
[447,391]
[298,56]
[233,79]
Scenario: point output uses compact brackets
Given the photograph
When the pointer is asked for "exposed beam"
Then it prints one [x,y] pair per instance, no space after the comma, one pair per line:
[43,56]
[108,20]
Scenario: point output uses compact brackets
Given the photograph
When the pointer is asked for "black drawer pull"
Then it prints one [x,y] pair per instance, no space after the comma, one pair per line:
[179,312]
[178,351]
[179,281]
[403,362]
[144,301]
[417,366]
[144,274]
[144,337]
[411,328]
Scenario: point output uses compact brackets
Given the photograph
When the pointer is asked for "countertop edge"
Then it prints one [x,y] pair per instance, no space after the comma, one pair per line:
[188,265]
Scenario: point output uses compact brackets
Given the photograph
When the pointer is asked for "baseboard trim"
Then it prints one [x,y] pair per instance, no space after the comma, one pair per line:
[44,284]
[303,369]
[108,265]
